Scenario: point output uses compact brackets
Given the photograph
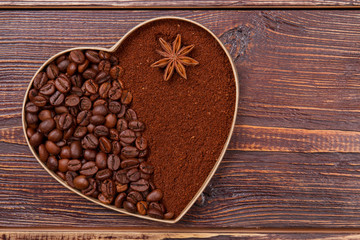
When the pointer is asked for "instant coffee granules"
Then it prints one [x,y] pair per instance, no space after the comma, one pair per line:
[188,121]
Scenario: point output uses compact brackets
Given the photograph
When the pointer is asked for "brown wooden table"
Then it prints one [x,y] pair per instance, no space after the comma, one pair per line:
[292,169]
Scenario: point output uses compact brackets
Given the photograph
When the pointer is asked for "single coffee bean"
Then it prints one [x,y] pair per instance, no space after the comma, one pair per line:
[121,187]
[60,59]
[141,143]
[83,66]
[90,86]
[77,56]
[40,80]
[103,174]
[80,182]
[146,167]
[45,114]
[69,177]
[52,71]
[74,165]
[110,120]
[129,163]
[57,98]
[76,150]
[168,215]
[105,144]
[108,188]
[115,93]
[101,130]
[43,153]
[91,188]
[114,134]
[63,65]
[47,125]
[52,163]
[158,206]
[155,196]
[76,80]
[145,176]
[104,89]
[129,152]
[31,118]
[61,143]
[55,135]
[122,112]
[63,164]
[31,108]
[90,154]
[101,160]
[130,115]
[65,152]
[85,104]
[76,91]
[32,94]
[114,107]
[90,128]
[71,68]
[61,175]
[80,131]
[90,142]
[105,66]
[121,125]
[102,77]
[105,199]
[48,89]
[30,132]
[127,136]
[134,197]
[66,121]
[83,118]
[100,110]
[119,200]
[155,213]
[97,119]
[113,162]
[68,133]
[136,126]
[126,97]
[129,206]
[52,148]
[89,73]
[114,60]
[92,56]
[40,101]
[142,207]
[133,175]
[63,84]
[116,72]
[89,168]
[72,100]
[116,147]
[104,55]
[121,177]
[140,185]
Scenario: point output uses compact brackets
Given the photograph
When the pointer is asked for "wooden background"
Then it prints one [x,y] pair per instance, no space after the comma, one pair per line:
[293,162]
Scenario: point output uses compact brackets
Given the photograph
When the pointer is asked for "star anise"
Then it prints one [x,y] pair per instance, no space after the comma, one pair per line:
[174,58]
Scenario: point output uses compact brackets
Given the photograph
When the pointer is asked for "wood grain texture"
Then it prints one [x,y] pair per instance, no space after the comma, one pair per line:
[293,159]
[176,4]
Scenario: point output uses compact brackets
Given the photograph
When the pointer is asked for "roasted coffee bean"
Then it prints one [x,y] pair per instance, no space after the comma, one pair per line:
[100,110]
[114,107]
[65,152]
[91,188]
[52,71]
[52,163]
[80,131]
[61,109]
[129,152]
[63,164]
[129,206]
[71,68]
[155,213]
[151,185]
[63,84]
[101,160]
[115,93]
[102,77]
[63,65]
[105,199]
[116,72]
[105,66]
[40,101]
[113,162]
[76,150]
[52,148]
[119,200]
[116,147]
[101,130]
[81,182]
[85,104]
[155,196]
[55,135]
[91,86]
[66,120]
[114,60]
[122,111]
[83,66]
[77,56]
[103,174]
[47,125]
[74,165]
[114,134]
[32,94]
[126,97]
[72,100]
[40,80]
[168,215]
[77,91]
[136,126]
[121,187]
[133,175]
[83,118]
[92,56]
[90,154]
[120,176]
[97,119]
[104,55]
[130,115]
[140,185]
[31,118]
[158,206]
[69,176]
[118,84]
[74,111]
[127,136]
[61,175]
[48,89]
[61,143]
[32,108]
[90,142]
[108,188]
[60,59]
[121,125]
[43,153]
[142,207]
[146,167]
[141,143]
[110,120]
[68,133]
[90,128]
[89,168]
[45,114]
[76,80]
[105,144]
[134,197]
[129,163]
[104,89]
[145,176]
[57,98]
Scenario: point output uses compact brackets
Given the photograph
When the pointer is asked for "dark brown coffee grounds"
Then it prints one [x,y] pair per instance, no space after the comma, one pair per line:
[187,121]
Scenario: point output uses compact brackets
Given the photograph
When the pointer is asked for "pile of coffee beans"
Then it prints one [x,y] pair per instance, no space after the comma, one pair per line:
[80,122]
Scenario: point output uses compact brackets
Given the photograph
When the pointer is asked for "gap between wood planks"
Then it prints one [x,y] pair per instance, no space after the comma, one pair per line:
[268,139]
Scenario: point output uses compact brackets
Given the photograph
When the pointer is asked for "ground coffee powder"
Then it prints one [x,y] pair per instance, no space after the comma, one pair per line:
[187,121]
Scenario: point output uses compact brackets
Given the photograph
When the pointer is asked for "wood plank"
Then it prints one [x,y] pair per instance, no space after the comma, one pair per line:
[176,4]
